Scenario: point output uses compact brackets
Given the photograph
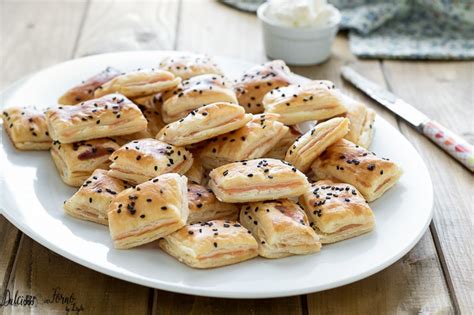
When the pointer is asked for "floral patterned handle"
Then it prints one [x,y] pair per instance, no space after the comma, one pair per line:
[456,146]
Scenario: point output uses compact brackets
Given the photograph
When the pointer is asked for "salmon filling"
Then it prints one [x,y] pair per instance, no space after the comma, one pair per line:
[90,214]
[223,124]
[148,228]
[383,184]
[248,188]
[220,254]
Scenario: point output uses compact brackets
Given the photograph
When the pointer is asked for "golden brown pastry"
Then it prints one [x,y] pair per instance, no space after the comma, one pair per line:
[308,147]
[154,124]
[196,173]
[139,83]
[152,102]
[148,211]
[211,244]
[27,128]
[85,90]
[194,93]
[350,163]
[141,160]
[280,227]
[362,119]
[337,211]
[204,123]
[77,161]
[279,150]
[251,141]
[257,81]
[187,66]
[154,119]
[204,206]
[92,200]
[111,115]
[256,180]
[314,100]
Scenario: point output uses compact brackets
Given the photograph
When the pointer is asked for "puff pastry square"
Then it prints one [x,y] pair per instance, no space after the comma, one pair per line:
[92,200]
[315,100]
[337,211]
[154,119]
[280,227]
[251,141]
[154,124]
[350,163]
[204,206]
[257,81]
[139,83]
[141,160]
[148,211]
[362,119]
[204,123]
[187,66]
[108,116]
[307,148]
[85,90]
[27,128]
[279,150]
[194,93]
[211,244]
[77,161]
[257,180]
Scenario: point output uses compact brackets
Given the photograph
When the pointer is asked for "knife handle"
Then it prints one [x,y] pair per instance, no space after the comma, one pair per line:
[450,142]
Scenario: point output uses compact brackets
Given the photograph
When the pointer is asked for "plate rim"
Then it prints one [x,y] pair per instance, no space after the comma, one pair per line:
[185,289]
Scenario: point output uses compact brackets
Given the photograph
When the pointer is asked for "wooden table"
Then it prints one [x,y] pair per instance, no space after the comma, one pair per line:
[435,277]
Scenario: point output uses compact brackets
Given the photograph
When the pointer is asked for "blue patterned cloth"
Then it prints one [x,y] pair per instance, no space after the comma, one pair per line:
[409,29]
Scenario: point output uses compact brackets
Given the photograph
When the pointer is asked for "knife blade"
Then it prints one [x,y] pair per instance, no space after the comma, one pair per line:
[447,140]
[385,98]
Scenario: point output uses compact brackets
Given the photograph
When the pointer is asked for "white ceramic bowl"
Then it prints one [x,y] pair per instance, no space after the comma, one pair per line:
[297,45]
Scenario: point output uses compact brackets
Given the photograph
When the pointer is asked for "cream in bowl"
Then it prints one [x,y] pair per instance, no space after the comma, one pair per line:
[301,32]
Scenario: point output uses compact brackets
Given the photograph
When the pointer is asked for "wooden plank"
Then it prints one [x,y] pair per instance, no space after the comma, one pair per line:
[27,30]
[210,27]
[443,90]
[9,241]
[31,38]
[60,285]
[414,283]
[167,303]
[120,25]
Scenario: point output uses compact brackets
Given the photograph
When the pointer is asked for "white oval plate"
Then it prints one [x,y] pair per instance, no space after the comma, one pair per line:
[33,195]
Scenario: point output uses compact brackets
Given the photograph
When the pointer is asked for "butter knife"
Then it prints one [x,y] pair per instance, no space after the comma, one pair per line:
[447,140]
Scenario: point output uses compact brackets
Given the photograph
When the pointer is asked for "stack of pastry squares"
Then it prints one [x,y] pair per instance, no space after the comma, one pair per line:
[215,171]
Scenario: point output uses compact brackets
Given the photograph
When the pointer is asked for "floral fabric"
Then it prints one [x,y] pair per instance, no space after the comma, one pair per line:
[409,29]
